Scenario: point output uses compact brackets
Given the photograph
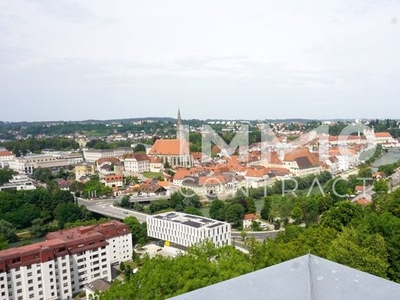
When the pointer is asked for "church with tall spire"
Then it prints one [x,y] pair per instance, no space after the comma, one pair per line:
[174,151]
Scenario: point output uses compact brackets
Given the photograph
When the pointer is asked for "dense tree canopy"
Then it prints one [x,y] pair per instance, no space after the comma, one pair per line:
[21,208]
[139,230]
[217,210]
[5,175]
[161,277]
[22,147]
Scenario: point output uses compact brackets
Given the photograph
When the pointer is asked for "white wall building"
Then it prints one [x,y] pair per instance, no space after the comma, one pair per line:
[137,163]
[18,183]
[59,267]
[27,164]
[183,230]
[5,157]
[91,155]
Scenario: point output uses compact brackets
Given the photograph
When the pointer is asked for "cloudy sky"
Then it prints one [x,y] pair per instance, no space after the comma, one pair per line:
[92,59]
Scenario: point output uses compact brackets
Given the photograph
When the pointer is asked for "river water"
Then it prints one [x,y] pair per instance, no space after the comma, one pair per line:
[386,158]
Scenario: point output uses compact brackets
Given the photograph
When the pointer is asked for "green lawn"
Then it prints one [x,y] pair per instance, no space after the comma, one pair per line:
[205,211]
[152,175]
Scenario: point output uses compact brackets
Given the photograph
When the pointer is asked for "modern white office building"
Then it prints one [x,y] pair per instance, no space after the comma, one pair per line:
[183,230]
[59,267]
[18,183]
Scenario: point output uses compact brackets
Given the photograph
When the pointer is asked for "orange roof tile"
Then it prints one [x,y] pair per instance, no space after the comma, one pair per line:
[138,156]
[155,160]
[170,147]
[250,217]
[109,178]
[383,135]
[363,201]
[164,184]
[302,152]
[256,172]
[112,160]
[211,180]
[181,173]
[6,153]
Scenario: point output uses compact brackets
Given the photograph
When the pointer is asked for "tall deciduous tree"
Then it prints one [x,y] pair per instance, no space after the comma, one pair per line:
[341,215]
[139,231]
[7,231]
[234,214]
[217,210]
[365,252]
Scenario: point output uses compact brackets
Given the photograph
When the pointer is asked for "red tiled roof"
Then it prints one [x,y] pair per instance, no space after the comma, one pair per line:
[170,147]
[112,160]
[250,217]
[222,168]
[359,188]
[278,171]
[138,156]
[256,172]
[109,178]
[181,173]
[6,153]
[383,135]
[274,158]
[155,160]
[211,180]
[363,201]
[164,184]
[302,152]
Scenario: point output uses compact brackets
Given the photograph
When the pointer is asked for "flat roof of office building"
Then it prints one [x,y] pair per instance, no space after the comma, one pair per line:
[189,220]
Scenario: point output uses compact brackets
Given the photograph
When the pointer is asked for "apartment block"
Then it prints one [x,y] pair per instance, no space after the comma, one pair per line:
[59,267]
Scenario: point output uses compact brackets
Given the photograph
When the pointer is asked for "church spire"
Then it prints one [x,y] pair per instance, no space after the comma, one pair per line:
[179,128]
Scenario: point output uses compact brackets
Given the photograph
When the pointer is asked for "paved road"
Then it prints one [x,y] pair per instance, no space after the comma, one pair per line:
[349,172]
[105,207]
[394,181]
[147,199]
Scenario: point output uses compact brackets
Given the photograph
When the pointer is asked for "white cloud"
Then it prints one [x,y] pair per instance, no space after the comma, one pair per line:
[176,51]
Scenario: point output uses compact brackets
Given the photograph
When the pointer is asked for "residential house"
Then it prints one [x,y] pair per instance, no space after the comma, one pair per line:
[109,165]
[156,164]
[113,180]
[248,220]
[62,184]
[84,169]
[152,189]
[5,157]
[257,177]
